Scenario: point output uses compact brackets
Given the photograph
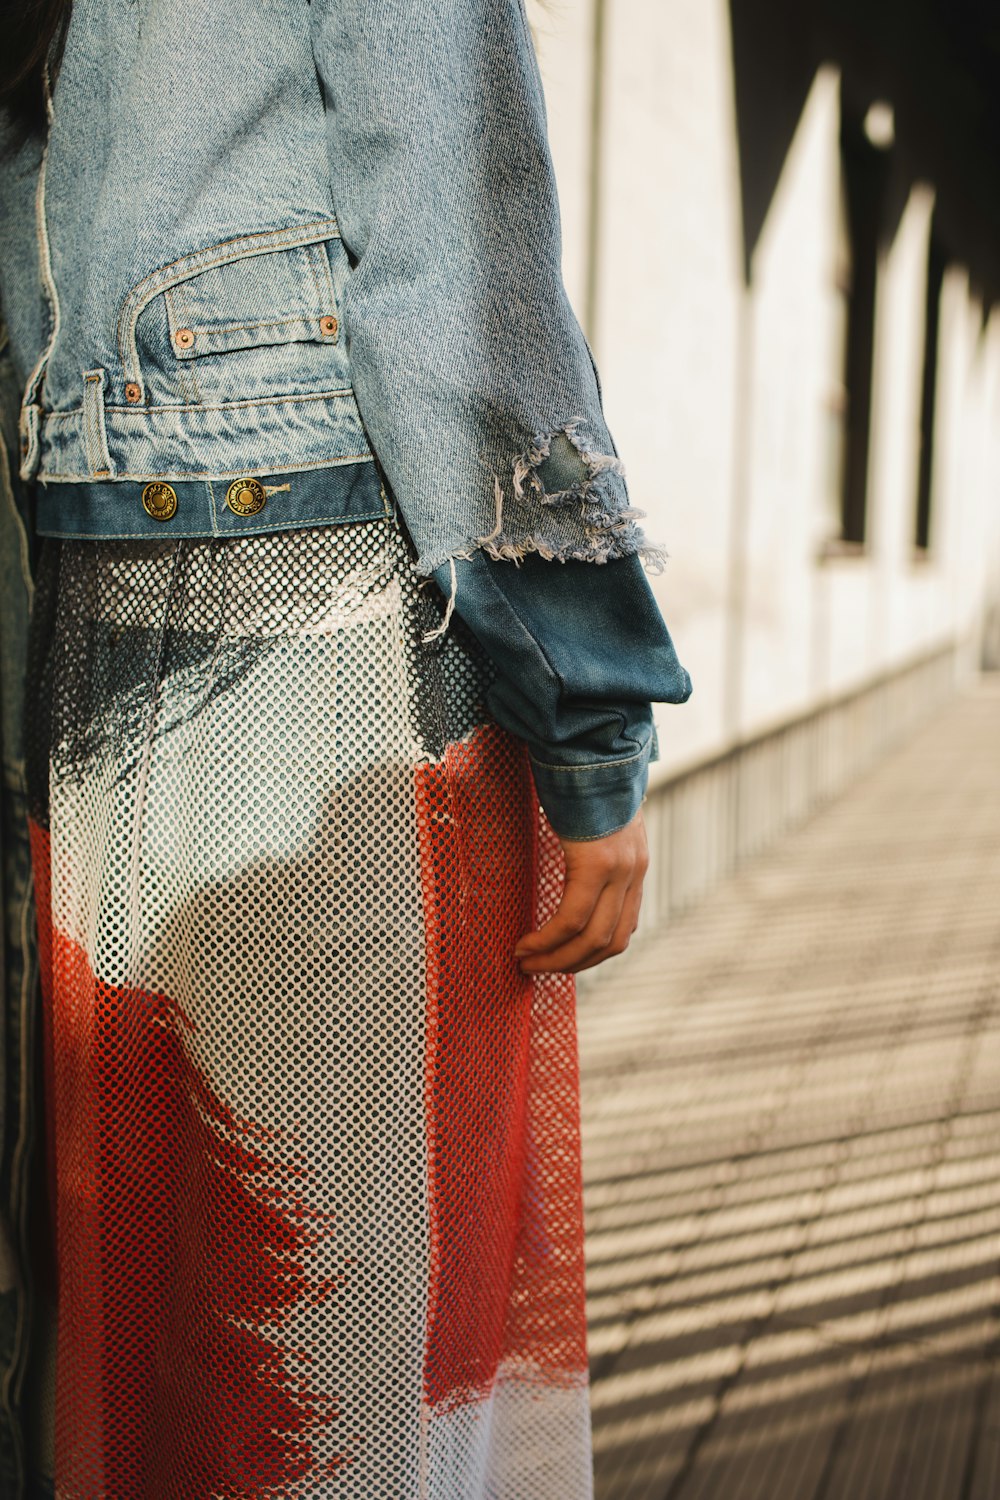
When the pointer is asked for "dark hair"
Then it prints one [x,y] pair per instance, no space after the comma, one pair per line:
[31,27]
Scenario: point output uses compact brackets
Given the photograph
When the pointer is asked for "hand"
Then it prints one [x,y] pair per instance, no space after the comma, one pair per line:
[599,910]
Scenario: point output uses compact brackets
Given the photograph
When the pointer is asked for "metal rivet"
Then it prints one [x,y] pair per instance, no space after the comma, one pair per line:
[245,497]
[184,338]
[328,326]
[133,392]
[159,500]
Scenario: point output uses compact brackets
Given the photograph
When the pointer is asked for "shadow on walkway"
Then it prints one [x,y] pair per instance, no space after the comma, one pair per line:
[792,1157]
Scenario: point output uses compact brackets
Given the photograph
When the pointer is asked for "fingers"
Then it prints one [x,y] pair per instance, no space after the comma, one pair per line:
[628,921]
[580,895]
[595,937]
[599,909]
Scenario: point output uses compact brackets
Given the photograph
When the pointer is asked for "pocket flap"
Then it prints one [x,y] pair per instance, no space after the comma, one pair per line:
[283,296]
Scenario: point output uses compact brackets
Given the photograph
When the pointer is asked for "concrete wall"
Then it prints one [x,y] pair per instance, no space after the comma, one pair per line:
[723,399]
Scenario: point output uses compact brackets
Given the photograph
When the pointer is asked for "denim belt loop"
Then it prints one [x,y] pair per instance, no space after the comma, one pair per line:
[95,434]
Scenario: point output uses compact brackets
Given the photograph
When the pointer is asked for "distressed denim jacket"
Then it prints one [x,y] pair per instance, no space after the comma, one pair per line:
[299,263]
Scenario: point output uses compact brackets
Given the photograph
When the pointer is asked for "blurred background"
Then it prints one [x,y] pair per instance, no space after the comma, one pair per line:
[782,237]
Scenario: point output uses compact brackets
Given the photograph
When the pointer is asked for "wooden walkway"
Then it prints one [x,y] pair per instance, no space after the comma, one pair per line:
[792,1157]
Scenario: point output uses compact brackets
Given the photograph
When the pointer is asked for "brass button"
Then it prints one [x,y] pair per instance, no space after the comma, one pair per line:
[328,327]
[183,338]
[133,392]
[159,501]
[245,497]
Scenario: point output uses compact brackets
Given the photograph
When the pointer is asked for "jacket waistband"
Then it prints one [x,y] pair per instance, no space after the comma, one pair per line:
[108,509]
[268,435]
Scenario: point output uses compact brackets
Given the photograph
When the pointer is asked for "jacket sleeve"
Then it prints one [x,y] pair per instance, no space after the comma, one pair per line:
[473,377]
[580,653]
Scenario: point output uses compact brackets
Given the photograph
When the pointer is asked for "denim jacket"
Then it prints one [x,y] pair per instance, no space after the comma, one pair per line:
[295,263]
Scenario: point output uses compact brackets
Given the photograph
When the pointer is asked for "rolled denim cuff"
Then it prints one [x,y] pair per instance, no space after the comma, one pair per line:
[591,801]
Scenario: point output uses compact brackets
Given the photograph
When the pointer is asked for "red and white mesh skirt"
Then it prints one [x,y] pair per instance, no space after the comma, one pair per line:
[313,1139]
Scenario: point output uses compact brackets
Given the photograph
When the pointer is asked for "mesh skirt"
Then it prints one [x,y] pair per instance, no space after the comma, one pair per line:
[313,1139]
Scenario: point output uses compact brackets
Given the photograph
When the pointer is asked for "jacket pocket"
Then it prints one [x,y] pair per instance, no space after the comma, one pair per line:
[250,317]
[283,297]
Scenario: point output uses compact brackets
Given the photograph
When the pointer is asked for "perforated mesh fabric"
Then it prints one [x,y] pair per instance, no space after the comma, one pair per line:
[315,1153]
